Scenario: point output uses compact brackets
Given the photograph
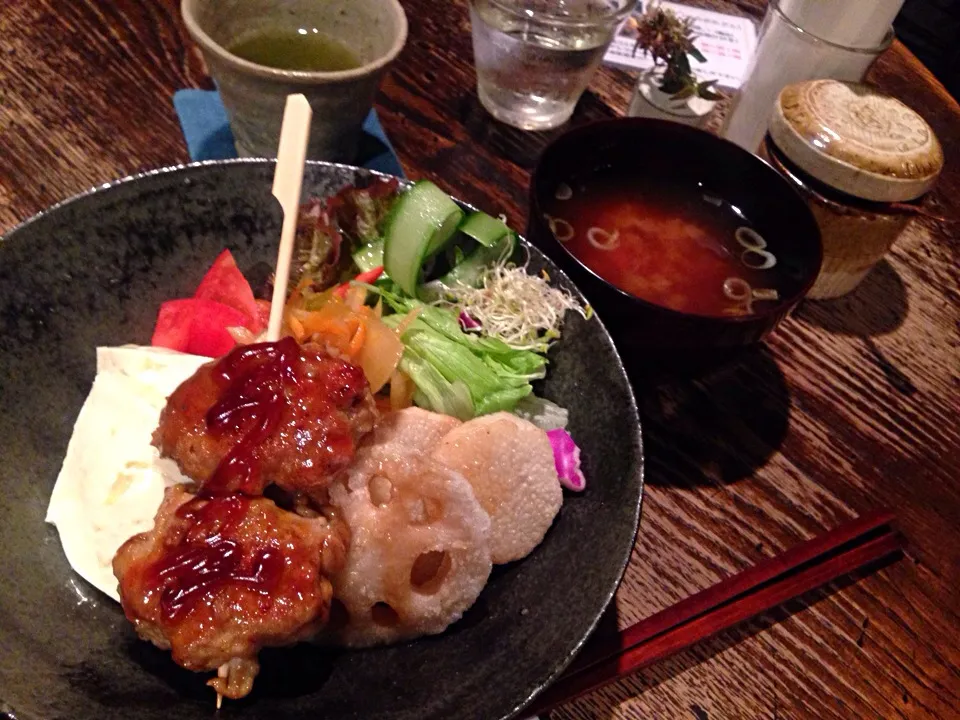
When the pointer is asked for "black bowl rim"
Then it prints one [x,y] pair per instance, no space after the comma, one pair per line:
[577,134]
[620,369]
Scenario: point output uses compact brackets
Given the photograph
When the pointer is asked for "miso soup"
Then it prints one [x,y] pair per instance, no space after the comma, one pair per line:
[678,246]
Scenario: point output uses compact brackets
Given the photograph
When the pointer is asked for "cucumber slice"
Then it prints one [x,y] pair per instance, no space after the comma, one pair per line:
[468,271]
[421,221]
[367,257]
[483,228]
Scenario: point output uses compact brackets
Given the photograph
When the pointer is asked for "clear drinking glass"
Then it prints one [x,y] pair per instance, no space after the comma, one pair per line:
[786,53]
[534,58]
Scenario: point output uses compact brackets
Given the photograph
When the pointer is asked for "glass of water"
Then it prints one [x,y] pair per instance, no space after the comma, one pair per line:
[535,58]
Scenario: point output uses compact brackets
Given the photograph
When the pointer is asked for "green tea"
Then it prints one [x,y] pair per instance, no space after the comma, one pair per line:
[303,49]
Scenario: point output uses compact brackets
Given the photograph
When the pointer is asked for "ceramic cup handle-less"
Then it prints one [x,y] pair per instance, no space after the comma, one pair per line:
[255,95]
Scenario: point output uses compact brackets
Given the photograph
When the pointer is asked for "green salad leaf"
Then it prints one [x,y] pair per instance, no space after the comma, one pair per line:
[434,391]
[441,359]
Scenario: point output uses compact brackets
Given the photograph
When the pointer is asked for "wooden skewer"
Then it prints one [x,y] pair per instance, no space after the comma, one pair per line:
[287,182]
[818,561]
[222,672]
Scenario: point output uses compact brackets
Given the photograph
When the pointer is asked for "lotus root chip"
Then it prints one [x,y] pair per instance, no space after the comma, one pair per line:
[413,428]
[509,463]
[419,553]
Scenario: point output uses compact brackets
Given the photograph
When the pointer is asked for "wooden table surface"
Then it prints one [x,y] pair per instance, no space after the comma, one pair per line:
[849,406]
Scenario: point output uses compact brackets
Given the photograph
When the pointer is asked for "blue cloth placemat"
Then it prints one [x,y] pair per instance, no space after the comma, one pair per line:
[206,128]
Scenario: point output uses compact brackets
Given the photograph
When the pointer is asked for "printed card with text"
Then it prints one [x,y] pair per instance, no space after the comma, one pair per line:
[726,41]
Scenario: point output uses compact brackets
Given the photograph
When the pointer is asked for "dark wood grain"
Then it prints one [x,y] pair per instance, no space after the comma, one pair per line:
[857,545]
[756,456]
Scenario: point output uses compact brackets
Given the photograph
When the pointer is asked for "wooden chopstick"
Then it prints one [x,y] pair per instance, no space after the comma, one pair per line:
[735,585]
[816,562]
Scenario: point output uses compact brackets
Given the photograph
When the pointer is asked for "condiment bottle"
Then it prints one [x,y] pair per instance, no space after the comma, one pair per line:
[863,161]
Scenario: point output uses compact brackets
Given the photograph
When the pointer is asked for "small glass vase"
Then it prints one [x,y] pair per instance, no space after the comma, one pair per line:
[651,102]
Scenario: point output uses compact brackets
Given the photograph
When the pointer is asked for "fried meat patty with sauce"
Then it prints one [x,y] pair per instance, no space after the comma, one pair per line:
[273,413]
[217,579]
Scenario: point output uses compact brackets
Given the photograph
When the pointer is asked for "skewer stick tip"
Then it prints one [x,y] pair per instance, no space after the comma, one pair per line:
[287,183]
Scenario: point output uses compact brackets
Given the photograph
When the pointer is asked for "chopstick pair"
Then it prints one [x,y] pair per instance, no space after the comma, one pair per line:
[851,546]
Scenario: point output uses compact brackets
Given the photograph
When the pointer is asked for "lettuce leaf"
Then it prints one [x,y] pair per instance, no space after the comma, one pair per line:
[442,359]
[434,391]
[543,413]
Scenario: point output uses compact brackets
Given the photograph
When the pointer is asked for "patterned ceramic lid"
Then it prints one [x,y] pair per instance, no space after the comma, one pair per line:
[857,140]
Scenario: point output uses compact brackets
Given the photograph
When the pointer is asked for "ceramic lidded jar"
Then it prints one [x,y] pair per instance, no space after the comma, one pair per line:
[864,162]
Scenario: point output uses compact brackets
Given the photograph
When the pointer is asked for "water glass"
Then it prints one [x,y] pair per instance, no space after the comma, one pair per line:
[534,58]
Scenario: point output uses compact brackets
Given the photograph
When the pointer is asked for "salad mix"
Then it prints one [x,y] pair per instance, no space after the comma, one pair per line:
[424,297]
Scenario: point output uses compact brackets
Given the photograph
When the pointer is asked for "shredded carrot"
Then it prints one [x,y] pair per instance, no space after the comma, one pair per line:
[347,328]
[320,323]
[297,295]
[296,327]
[358,339]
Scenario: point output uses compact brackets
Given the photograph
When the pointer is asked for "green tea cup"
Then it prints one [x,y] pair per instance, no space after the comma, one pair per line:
[371,31]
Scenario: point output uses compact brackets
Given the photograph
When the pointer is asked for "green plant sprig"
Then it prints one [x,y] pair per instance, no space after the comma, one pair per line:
[669,40]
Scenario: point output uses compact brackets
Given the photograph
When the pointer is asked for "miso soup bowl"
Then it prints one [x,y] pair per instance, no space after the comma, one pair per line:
[671,152]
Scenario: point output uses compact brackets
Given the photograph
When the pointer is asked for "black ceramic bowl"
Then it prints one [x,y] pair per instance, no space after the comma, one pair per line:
[93,271]
[683,155]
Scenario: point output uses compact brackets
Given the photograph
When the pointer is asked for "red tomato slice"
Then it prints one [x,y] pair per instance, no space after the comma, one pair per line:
[263,313]
[224,283]
[173,325]
[198,326]
[208,333]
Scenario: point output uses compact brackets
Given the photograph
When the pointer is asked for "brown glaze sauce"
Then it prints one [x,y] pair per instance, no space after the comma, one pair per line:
[206,560]
[256,385]
[255,381]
